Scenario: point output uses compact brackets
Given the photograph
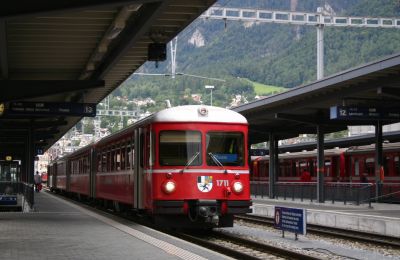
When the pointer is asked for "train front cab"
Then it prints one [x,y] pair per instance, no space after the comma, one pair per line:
[195,174]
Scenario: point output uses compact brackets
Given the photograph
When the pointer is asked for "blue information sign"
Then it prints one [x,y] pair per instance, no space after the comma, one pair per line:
[226,158]
[363,113]
[290,219]
[8,200]
[50,108]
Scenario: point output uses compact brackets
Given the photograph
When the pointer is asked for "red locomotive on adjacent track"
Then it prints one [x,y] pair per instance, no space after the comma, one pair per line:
[184,166]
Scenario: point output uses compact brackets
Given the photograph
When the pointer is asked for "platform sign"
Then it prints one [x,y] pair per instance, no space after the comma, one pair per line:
[52,108]
[364,113]
[291,219]
[8,200]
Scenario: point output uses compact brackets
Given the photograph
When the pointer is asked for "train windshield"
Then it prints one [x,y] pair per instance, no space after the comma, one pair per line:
[180,148]
[225,148]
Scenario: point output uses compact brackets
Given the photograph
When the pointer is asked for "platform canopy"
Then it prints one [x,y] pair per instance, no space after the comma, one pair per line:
[375,85]
[75,52]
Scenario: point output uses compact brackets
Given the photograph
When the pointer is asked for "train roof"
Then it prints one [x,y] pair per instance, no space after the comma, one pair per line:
[195,113]
[189,113]
[335,151]
[304,154]
[371,148]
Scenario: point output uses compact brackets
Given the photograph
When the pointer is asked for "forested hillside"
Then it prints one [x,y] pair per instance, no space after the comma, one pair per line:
[270,54]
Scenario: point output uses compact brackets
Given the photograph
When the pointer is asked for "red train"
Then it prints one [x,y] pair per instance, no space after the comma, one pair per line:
[183,166]
[44,177]
[341,164]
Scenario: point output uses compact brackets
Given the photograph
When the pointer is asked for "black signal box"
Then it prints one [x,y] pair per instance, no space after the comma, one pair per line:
[157,52]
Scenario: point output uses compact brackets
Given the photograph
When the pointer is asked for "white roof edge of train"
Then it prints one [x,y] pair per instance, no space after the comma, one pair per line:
[191,113]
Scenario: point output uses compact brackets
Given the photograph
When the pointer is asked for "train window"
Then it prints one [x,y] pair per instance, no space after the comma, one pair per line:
[79,170]
[76,167]
[128,157]
[141,154]
[369,166]
[180,148]
[87,166]
[129,162]
[386,161]
[108,163]
[118,159]
[294,173]
[113,160]
[356,167]
[226,148]
[123,155]
[83,164]
[72,165]
[302,166]
[285,168]
[152,150]
[263,169]
[99,162]
[104,162]
[312,166]
[327,167]
[397,165]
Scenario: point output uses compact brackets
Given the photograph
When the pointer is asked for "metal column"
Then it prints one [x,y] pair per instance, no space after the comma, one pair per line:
[272,167]
[378,156]
[321,164]
[320,51]
[31,165]
[29,157]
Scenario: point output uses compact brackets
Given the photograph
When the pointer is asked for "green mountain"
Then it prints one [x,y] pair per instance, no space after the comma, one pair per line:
[246,55]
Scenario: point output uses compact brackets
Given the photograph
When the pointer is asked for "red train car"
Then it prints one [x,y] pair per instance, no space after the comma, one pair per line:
[44,177]
[184,166]
[78,171]
[341,164]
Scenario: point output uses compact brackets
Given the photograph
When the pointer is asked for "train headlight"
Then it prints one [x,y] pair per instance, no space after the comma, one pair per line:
[169,187]
[237,187]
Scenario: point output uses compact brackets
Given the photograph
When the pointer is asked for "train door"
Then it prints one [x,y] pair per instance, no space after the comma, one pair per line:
[138,170]
[335,168]
[148,167]
[95,162]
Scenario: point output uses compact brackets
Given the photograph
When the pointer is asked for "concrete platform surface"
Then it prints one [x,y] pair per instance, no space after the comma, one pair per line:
[59,229]
[381,218]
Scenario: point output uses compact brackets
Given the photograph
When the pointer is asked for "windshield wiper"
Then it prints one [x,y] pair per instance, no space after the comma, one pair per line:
[190,161]
[216,161]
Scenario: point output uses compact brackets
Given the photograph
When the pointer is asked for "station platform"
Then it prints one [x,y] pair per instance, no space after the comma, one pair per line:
[380,218]
[59,229]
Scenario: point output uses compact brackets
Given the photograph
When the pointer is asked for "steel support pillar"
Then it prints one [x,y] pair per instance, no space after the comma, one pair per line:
[378,157]
[321,164]
[30,161]
[320,51]
[272,168]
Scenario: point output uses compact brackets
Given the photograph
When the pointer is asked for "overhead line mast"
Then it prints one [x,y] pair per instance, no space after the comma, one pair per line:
[320,19]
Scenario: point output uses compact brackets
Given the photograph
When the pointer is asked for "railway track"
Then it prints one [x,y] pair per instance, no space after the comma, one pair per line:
[240,247]
[353,235]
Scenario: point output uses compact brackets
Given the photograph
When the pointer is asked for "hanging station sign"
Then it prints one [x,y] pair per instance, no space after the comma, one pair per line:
[363,113]
[52,108]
